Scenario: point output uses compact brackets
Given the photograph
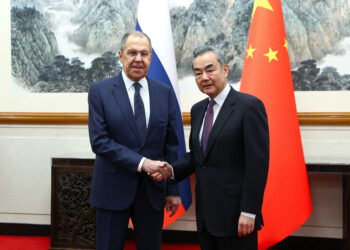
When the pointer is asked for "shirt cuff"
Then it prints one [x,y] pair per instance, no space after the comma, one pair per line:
[172,177]
[248,215]
[139,168]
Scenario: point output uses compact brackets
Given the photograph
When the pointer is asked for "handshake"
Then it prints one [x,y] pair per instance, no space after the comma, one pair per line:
[158,170]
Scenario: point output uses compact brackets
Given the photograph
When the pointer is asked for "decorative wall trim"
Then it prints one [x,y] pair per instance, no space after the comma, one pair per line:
[305,118]
[44,118]
[186,118]
[324,118]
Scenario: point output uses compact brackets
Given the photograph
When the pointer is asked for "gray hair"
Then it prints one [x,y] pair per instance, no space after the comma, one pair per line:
[134,33]
[206,48]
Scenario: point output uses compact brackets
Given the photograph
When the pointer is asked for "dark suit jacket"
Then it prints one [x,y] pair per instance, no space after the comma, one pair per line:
[116,142]
[231,175]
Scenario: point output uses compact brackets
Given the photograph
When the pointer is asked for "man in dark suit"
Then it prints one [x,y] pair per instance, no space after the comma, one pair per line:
[229,152]
[132,128]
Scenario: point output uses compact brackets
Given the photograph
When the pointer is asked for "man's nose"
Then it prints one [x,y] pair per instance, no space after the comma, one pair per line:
[205,76]
[138,57]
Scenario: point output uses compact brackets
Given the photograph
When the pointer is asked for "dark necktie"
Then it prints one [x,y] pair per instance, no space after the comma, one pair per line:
[139,110]
[208,124]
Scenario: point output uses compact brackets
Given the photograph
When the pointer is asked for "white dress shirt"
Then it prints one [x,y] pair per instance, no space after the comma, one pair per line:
[144,92]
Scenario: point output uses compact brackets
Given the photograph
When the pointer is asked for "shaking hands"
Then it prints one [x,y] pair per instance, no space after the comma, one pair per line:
[158,170]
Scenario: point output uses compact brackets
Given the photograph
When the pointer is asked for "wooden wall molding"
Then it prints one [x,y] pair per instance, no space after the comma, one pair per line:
[305,118]
[44,118]
[324,118]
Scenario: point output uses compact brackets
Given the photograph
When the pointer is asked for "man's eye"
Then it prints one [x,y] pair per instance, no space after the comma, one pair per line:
[144,54]
[132,53]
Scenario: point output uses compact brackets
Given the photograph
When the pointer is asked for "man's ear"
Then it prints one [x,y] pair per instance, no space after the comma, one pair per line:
[226,69]
[120,54]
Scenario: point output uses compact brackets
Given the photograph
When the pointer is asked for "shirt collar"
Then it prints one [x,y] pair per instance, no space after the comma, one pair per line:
[128,82]
[221,97]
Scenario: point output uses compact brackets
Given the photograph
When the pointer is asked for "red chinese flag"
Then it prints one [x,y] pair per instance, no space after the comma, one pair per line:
[267,75]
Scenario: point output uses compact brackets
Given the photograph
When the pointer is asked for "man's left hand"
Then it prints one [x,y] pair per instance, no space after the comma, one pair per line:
[245,225]
[172,203]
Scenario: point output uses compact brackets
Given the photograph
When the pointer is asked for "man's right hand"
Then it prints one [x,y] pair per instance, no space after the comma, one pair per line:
[150,166]
[164,173]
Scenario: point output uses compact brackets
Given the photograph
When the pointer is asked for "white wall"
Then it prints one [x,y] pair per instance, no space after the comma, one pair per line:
[324,144]
[25,170]
[25,173]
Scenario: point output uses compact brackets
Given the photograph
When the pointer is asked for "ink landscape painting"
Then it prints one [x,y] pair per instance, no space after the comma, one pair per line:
[60,46]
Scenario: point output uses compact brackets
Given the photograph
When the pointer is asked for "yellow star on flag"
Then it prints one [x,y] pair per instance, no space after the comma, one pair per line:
[250,51]
[271,55]
[285,44]
[263,4]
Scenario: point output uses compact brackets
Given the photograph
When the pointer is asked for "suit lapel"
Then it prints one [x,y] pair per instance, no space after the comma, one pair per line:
[153,103]
[196,126]
[225,112]
[121,96]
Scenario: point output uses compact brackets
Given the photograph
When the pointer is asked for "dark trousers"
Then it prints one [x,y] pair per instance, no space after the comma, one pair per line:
[210,242]
[112,226]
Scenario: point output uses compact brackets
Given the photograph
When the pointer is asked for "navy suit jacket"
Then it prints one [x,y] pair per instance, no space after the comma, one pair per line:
[231,174]
[115,140]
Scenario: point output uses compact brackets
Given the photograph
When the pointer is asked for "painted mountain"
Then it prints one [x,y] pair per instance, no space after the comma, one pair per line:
[65,45]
